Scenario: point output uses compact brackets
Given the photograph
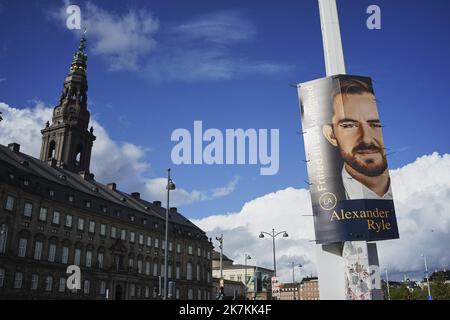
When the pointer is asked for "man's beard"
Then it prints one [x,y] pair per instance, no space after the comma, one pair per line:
[366,167]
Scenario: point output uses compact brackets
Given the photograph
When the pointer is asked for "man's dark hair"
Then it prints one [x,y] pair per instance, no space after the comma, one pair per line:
[352,85]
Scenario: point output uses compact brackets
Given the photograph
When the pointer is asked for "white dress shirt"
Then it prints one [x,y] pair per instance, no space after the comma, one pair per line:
[356,190]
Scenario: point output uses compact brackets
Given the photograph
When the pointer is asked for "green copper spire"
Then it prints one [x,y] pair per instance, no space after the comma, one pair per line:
[80,58]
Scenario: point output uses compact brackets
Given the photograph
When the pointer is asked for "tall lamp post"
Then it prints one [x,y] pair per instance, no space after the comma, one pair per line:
[170,186]
[426,273]
[220,239]
[274,235]
[247,257]
[387,285]
[293,275]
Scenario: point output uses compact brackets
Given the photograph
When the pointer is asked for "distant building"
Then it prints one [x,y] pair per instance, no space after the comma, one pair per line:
[290,291]
[258,279]
[309,289]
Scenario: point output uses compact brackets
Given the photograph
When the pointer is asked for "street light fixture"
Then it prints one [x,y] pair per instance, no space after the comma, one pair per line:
[247,257]
[274,235]
[220,239]
[293,275]
[170,186]
[426,273]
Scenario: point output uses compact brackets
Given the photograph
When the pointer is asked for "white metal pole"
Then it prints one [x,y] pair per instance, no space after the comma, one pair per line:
[332,266]
[331,37]
[387,285]
[426,273]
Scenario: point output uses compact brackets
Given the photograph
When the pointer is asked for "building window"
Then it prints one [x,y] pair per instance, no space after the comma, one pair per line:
[190,294]
[132,290]
[3,238]
[199,252]
[88,203]
[113,232]
[104,209]
[80,224]
[103,229]
[62,285]
[155,269]
[149,241]
[190,250]
[48,283]
[169,271]
[189,271]
[123,234]
[34,281]
[199,294]
[56,217]
[102,287]
[208,277]
[198,272]
[26,183]
[37,250]
[177,272]
[77,257]
[163,244]
[70,198]
[51,193]
[178,248]
[177,293]
[51,252]
[147,268]
[156,242]
[91,226]
[2,277]
[9,205]
[88,259]
[131,217]
[22,247]
[65,255]
[131,263]
[141,239]
[132,237]
[18,276]
[139,266]
[68,221]
[28,209]
[147,292]
[43,214]
[87,284]
[170,246]
[100,260]
[208,255]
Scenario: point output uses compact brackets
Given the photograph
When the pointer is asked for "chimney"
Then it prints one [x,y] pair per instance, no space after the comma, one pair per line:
[14,147]
[136,195]
[157,203]
[112,186]
[173,210]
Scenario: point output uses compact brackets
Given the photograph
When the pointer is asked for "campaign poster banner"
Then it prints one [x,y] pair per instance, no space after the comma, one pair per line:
[348,172]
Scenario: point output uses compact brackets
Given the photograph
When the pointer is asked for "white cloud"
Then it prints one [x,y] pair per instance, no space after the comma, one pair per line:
[219,27]
[2,79]
[422,197]
[124,39]
[200,49]
[224,191]
[112,161]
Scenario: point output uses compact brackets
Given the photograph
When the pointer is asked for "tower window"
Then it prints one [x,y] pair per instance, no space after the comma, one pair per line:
[78,152]
[51,150]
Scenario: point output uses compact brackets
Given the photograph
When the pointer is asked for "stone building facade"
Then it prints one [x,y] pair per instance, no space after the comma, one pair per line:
[53,214]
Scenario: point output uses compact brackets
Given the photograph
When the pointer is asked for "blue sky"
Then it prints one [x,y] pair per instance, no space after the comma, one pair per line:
[230,64]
